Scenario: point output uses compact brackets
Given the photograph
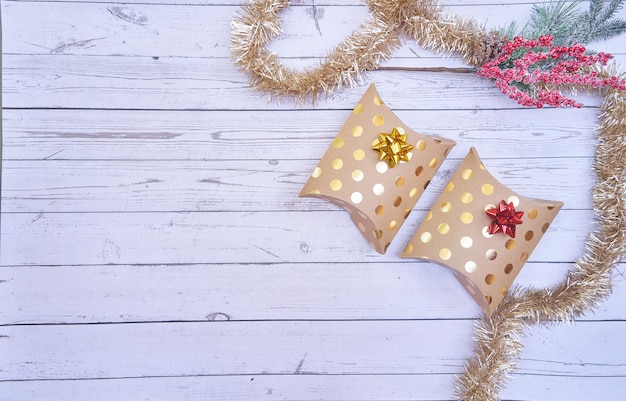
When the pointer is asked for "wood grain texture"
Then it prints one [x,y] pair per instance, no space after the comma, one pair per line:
[152,244]
[255,292]
[188,31]
[183,31]
[422,387]
[139,186]
[226,237]
[250,348]
[104,82]
[283,134]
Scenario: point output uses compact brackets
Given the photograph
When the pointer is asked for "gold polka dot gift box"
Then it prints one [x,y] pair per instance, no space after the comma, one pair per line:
[482,230]
[377,168]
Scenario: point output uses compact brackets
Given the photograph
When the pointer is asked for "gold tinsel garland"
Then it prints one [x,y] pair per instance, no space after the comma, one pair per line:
[498,338]
[498,344]
[258,23]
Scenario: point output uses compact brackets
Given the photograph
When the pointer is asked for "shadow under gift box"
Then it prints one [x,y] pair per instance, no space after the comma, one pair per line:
[456,232]
[354,176]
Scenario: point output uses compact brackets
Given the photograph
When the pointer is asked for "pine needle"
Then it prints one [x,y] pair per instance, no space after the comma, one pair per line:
[568,24]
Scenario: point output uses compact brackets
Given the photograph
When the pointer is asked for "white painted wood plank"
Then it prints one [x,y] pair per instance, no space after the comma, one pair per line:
[243,348]
[203,31]
[569,348]
[281,135]
[232,237]
[103,82]
[422,387]
[316,348]
[139,186]
[534,387]
[154,30]
[174,83]
[215,292]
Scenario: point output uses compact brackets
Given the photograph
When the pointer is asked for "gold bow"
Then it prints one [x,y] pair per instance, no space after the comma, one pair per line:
[393,147]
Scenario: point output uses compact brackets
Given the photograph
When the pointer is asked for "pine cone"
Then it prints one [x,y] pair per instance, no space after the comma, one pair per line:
[486,47]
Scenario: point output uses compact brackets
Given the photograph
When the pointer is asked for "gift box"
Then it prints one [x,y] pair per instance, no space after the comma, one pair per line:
[377,168]
[483,231]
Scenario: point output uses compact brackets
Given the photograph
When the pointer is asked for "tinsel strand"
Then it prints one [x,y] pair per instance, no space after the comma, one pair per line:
[497,345]
[258,23]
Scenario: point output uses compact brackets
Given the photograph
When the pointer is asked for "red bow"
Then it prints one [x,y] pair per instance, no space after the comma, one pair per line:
[504,218]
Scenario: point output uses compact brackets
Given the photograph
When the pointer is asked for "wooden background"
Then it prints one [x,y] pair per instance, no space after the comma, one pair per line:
[154,248]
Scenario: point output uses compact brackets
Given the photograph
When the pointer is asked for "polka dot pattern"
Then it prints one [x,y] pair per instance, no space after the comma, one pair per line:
[337,164]
[470,266]
[455,233]
[467,217]
[378,120]
[467,198]
[467,242]
[382,167]
[357,175]
[351,175]
[445,254]
[336,185]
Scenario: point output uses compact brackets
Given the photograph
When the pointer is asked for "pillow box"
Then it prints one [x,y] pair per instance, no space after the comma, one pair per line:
[483,231]
[377,168]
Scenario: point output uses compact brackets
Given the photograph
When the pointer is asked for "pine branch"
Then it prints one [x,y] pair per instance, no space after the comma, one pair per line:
[509,31]
[599,22]
[568,24]
[595,8]
[609,12]
[610,29]
[555,18]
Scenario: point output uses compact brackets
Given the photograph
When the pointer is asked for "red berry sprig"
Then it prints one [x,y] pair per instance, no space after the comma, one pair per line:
[524,65]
